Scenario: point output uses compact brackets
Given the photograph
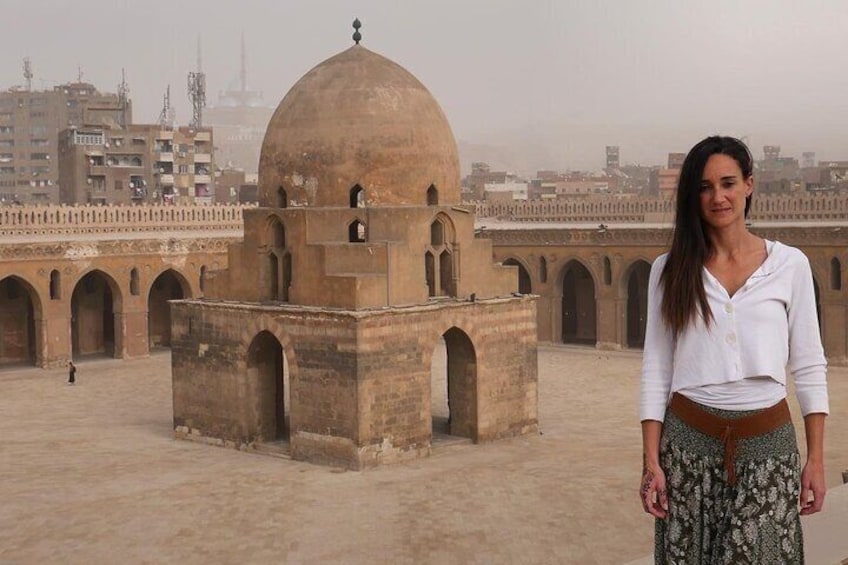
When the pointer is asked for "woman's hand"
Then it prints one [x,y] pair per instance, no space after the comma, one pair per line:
[653,491]
[813,488]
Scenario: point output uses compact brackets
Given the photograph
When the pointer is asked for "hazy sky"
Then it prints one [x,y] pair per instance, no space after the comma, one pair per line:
[553,81]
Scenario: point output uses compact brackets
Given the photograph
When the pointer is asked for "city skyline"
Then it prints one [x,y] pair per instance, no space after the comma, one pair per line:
[545,85]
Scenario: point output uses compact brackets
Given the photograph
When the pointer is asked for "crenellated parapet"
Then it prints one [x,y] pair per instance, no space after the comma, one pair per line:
[80,220]
[614,209]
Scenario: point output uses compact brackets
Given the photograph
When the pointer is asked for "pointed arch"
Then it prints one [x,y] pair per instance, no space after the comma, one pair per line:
[134,284]
[432,195]
[95,301]
[20,307]
[169,285]
[454,385]
[446,270]
[524,284]
[607,271]
[835,274]
[55,285]
[636,281]
[543,269]
[267,371]
[276,271]
[282,197]
[579,308]
[430,273]
[357,232]
[357,196]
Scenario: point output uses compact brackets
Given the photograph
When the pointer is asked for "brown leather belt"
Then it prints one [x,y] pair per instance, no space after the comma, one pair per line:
[729,430]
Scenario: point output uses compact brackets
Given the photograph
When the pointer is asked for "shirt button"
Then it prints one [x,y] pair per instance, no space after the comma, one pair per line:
[728,308]
[731,338]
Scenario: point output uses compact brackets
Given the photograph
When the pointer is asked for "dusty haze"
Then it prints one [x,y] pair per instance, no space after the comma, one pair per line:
[526,85]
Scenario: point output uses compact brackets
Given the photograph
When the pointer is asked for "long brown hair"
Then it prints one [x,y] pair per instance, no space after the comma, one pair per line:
[682,281]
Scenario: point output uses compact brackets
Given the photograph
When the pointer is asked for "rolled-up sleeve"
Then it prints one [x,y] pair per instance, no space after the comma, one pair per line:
[658,353]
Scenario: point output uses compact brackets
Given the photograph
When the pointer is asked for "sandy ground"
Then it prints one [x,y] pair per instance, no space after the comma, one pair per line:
[92,474]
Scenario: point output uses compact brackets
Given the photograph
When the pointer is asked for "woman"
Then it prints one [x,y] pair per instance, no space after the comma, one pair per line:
[728,313]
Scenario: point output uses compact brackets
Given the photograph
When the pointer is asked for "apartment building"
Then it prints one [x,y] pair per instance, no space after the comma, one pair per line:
[30,122]
[138,164]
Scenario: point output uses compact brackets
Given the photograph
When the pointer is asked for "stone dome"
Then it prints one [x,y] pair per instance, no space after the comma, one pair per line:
[358,121]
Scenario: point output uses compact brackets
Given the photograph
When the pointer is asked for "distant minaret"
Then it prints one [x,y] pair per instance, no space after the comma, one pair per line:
[243,73]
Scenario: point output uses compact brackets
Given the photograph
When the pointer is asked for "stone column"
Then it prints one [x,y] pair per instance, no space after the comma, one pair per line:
[131,334]
[608,314]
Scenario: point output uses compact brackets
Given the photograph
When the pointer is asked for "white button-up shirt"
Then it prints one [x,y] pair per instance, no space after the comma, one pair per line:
[769,324]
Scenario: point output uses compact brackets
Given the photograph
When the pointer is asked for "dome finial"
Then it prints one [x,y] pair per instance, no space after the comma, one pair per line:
[357,37]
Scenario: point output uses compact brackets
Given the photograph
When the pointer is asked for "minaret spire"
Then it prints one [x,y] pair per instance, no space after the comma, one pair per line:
[243,73]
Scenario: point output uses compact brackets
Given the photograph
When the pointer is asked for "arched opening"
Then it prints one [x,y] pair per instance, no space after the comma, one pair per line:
[357,197]
[437,233]
[607,271]
[356,232]
[55,285]
[454,386]
[430,273]
[637,303]
[167,286]
[93,316]
[202,280]
[432,196]
[543,269]
[286,276]
[134,286]
[448,285]
[267,371]
[282,198]
[17,322]
[524,285]
[579,317]
[273,269]
[835,274]
[278,275]
[278,235]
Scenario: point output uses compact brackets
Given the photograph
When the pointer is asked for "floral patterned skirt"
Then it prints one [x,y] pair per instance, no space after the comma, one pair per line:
[711,522]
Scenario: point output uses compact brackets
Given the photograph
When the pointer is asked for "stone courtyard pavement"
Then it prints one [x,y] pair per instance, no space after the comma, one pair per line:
[92,474]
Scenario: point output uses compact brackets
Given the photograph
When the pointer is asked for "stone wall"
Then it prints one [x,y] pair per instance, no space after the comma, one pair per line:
[359,381]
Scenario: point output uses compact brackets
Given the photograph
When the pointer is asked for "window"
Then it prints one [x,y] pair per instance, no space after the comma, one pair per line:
[356,232]
[183,169]
[357,197]
[55,286]
[432,196]
[134,282]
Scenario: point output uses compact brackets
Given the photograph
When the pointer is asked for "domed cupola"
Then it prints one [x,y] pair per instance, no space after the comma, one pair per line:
[358,127]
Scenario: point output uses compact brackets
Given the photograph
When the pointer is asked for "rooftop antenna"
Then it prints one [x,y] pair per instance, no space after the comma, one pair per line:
[28,73]
[79,73]
[357,37]
[166,116]
[243,74]
[124,98]
[197,91]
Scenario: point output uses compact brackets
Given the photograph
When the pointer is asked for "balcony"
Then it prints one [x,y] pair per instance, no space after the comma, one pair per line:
[203,136]
[202,157]
[98,170]
[165,157]
[165,134]
[202,179]
[166,180]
